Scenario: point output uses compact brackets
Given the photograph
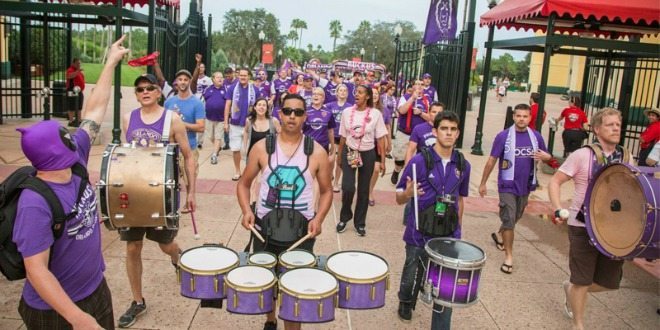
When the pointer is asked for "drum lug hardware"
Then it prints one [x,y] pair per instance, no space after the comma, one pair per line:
[320,310]
[224,288]
[117,184]
[373,292]
[155,215]
[348,292]
[154,184]
[261,300]
[101,183]
[336,299]
[650,208]
[119,216]
[279,299]
[235,300]
[178,275]
[215,284]
[387,283]
[296,308]
[192,284]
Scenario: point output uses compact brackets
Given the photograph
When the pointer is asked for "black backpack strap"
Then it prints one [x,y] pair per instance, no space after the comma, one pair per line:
[270,145]
[59,217]
[428,158]
[308,148]
[460,161]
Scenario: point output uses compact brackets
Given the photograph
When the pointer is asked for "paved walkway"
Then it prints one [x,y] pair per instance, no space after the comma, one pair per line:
[529,298]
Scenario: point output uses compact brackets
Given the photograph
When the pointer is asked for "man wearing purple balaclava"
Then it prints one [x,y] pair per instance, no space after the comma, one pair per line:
[65,286]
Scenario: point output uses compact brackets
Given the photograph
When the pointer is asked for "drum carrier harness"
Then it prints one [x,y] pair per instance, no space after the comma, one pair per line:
[601,161]
[441,218]
[295,224]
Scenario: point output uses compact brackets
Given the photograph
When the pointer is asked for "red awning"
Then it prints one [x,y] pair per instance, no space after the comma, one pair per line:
[172,3]
[622,16]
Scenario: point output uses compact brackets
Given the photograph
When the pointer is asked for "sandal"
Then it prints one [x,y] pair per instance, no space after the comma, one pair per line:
[372,202]
[506,269]
[185,210]
[336,189]
[235,177]
[499,245]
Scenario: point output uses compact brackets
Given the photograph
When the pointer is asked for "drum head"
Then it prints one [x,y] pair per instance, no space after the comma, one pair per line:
[297,258]
[308,281]
[250,276]
[616,210]
[262,258]
[208,258]
[454,251]
[357,265]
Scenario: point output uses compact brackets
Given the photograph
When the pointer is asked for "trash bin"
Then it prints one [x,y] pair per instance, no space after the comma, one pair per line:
[59,104]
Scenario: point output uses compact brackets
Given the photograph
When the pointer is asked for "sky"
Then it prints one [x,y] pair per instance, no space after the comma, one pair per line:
[319,13]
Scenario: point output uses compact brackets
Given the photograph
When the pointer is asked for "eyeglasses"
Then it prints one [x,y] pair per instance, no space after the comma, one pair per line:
[299,112]
[149,88]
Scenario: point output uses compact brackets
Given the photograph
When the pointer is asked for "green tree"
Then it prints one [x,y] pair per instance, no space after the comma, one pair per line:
[240,35]
[301,25]
[335,32]
[293,37]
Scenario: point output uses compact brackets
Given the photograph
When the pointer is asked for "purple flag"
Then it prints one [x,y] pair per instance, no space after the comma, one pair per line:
[441,22]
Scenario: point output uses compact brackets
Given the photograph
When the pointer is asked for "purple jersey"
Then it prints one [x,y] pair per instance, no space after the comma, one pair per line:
[229,83]
[431,93]
[351,92]
[264,89]
[437,181]
[423,136]
[389,107]
[142,134]
[76,260]
[278,87]
[307,95]
[521,185]
[330,90]
[319,121]
[407,122]
[244,103]
[216,98]
[336,111]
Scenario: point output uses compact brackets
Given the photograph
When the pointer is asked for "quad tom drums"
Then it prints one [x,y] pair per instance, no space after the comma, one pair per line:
[250,290]
[307,295]
[202,271]
[363,278]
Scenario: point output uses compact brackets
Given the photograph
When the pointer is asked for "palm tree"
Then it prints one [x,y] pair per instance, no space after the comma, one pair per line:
[299,24]
[335,32]
[293,36]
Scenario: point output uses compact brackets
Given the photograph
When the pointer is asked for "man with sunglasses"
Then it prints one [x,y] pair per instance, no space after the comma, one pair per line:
[145,127]
[288,166]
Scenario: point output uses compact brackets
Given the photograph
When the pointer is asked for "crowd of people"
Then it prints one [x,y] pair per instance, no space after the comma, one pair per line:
[295,141]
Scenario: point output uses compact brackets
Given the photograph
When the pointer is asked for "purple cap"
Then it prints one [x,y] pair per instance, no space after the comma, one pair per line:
[48,146]
[426,75]
[307,76]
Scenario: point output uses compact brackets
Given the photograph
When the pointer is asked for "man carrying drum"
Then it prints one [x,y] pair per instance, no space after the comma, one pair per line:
[591,271]
[443,180]
[147,126]
[289,163]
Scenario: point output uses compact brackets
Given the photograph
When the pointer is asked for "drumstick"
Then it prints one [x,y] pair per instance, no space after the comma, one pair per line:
[414,170]
[192,216]
[300,241]
[256,233]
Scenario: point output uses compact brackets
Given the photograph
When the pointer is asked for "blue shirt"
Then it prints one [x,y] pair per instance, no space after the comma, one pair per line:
[436,181]
[190,109]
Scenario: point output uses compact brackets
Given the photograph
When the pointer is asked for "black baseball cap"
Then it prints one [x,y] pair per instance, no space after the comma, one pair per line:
[148,77]
[184,72]
[229,70]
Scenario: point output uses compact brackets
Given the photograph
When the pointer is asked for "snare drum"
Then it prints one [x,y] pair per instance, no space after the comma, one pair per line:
[202,271]
[263,259]
[307,295]
[295,259]
[621,211]
[363,278]
[453,271]
[139,187]
[250,290]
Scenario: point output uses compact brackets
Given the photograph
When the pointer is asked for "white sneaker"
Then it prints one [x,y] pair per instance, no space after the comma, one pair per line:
[214,159]
[567,309]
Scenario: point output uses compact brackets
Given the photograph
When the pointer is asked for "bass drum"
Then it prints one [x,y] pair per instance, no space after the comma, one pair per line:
[621,211]
[139,187]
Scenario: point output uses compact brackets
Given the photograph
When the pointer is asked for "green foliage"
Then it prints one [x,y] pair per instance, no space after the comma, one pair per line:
[128,73]
[506,66]
[335,32]
[219,61]
[298,24]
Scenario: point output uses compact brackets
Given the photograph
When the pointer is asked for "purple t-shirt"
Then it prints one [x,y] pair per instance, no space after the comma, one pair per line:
[431,181]
[423,135]
[521,185]
[330,89]
[351,92]
[319,121]
[421,103]
[336,110]
[264,89]
[229,83]
[307,95]
[243,104]
[389,106]
[216,98]
[77,261]
[278,87]
[430,93]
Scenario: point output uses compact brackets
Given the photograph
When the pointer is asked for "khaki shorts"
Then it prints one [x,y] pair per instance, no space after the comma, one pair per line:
[236,137]
[588,265]
[400,146]
[182,166]
[214,130]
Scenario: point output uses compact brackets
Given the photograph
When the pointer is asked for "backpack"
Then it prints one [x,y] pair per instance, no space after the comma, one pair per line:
[460,163]
[11,260]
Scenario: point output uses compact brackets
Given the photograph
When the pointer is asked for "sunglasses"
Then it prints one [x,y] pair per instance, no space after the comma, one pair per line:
[298,112]
[149,88]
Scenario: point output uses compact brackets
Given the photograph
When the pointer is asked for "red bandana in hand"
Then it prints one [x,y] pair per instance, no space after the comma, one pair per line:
[145,60]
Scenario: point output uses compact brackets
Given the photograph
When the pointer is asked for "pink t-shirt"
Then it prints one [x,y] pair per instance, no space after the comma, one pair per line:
[375,128]
[578,166]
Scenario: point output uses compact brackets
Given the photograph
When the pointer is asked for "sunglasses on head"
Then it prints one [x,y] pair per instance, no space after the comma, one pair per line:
[298,111]
[149,88]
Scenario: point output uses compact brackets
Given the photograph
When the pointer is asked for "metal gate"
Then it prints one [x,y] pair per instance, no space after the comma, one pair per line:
[627,84]
[445,62]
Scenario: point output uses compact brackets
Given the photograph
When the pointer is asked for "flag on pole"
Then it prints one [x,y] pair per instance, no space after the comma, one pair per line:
[441,21]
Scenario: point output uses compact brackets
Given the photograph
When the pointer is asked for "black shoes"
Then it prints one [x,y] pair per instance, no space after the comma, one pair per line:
[130,316]
[341,227]
[361,231]
[270,325]
[395,177]
[405,311]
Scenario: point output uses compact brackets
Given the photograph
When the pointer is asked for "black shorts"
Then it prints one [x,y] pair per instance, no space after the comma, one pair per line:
[337,138]
[162,236]
[72,106]
[588,265]
[98,305]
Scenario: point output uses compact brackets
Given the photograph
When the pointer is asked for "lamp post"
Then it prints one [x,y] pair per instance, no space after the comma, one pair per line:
[478,137]
[362,51]
[397,34]
[262,36]
[279,57]
[373,55]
